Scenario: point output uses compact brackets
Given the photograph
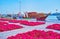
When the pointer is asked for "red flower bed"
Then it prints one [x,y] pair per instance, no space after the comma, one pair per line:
[4,19]
[54,26]
[36,34]
[24,22]
[36,23]
[14,21]
[3,23]
[9,27]
[32,23]
[17,21]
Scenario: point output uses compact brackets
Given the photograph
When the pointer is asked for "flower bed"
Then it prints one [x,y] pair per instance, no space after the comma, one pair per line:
[9,27]
[3,23]
[54,26]
[24,22]
[14,21]
[36,34]
[4,19]
[31,23]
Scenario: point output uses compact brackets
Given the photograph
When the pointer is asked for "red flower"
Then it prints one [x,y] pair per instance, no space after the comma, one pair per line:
[54,26]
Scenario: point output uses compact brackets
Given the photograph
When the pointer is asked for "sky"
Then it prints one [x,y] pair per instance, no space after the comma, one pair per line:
[9,6]
[15,6]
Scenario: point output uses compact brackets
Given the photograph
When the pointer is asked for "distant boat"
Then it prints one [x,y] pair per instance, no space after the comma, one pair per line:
[43,17]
